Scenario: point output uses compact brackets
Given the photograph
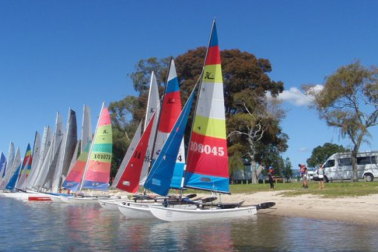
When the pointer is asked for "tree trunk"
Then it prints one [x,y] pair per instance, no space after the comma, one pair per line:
[354,164]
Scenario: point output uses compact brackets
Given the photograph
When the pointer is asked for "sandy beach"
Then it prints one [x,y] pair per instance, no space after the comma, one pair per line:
[357,210]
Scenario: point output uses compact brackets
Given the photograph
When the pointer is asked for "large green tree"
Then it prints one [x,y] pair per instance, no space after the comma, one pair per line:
[246,83]
[321,153]
[349,101]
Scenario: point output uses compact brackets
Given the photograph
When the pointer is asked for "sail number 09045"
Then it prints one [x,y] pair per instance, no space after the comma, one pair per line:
[207,149]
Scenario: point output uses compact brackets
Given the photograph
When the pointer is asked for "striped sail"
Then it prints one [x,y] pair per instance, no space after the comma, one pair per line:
[97,170]
[74,177]
[77,166]
[25,168]
[207,166]
[163,169]
[170,112]
[36,155]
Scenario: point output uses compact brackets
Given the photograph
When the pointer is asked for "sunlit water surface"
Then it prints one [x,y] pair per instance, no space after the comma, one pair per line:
[33,226]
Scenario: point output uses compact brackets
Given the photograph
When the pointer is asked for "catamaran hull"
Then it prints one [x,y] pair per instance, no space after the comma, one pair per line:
[110,204]
[78,200]
[136,210]
[176,214]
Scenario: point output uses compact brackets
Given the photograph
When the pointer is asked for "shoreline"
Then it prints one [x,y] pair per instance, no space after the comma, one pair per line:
[361,210]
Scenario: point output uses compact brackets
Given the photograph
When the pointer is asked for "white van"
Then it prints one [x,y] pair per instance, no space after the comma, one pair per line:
[339,166]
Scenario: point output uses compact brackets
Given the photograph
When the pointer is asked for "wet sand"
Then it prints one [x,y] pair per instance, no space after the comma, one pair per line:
[357,210]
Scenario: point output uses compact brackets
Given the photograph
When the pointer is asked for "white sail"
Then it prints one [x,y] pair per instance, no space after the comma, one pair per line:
[66,152]
[8,172]
[37,162]
[24,179]
[153,106]
[49,164]
[86,129]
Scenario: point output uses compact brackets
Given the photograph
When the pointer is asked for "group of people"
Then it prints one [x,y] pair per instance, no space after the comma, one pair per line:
[304,175]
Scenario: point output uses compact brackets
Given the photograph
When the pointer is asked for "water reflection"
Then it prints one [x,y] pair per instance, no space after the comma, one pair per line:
[31,226]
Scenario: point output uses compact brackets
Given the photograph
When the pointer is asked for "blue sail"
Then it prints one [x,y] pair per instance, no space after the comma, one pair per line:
[159,179]
[3,165]
[12,182]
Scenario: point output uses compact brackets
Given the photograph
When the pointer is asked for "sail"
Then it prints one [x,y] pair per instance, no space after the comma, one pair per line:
[11,156]
[97,170]
[66,151]
[75,174]
[136,162]
[170,111]
[13,180]
[3,166]
[36,155]
[86,130]
[129,153]
[49,164]
[11,167]
[37,164]
[207,166]
[152,112]
[25,168]
[8,167]
[74,177]
[130,178]
[160,177]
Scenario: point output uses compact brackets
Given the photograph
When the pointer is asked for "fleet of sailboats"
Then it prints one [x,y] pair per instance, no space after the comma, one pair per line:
[155,161]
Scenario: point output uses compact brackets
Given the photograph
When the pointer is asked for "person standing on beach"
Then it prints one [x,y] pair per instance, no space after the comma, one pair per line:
[271,177]
[321,176]
[303,172]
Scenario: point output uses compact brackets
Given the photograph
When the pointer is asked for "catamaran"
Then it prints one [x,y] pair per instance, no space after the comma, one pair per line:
[207,162]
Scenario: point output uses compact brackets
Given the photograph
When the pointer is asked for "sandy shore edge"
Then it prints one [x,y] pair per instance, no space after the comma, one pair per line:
[357,210]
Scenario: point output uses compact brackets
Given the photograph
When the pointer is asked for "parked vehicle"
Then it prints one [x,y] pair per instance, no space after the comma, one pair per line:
[339,166]
[315,177]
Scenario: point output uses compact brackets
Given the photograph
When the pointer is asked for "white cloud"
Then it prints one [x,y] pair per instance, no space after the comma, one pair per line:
[303,149]
[297,97]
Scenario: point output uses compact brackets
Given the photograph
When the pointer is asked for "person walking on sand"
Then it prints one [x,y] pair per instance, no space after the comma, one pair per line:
[321,176]
[271,177]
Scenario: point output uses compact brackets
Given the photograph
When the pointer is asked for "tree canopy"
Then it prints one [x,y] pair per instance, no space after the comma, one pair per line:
[349,101]
[321,153]
[248,111]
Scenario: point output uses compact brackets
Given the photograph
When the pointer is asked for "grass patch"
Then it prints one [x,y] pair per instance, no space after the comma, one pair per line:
[331,190]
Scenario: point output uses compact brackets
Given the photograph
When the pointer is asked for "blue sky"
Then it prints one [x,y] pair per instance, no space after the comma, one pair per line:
[60,54]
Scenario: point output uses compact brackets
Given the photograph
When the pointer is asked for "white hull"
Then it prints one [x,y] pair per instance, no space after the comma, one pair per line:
[110,204]
[177,214]
[78,200]
[136,210]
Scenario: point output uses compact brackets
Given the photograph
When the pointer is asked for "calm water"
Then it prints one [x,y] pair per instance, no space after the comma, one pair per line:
[32,226]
